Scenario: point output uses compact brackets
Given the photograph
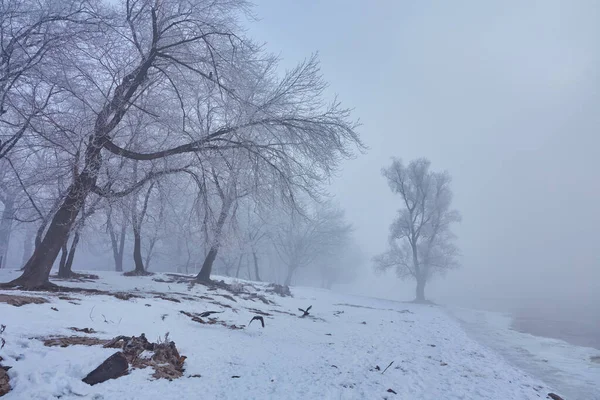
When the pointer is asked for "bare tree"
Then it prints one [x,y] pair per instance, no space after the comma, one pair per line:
[421,242]
[302,240]
[33,35]
[137,219]
[341,264]
[65,267]
[117,236]
[229,190]
[8,198]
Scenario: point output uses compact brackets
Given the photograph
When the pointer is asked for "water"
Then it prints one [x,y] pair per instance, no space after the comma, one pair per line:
[554,355]
[578,326]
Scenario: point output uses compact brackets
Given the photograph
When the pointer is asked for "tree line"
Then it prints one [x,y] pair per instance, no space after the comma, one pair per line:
[141,117]
[160,126]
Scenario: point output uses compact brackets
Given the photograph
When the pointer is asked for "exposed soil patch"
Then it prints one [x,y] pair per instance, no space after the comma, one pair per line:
[254,296]
[167,298]
[4,381]
[259,312]
[75,277]
[137,273]
[223,305]
[283,312]
[65,341]
[210,321]
[83,330]
[123,295]
[68,298]
[18,301]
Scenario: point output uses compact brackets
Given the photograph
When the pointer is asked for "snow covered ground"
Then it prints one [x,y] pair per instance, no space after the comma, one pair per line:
[340,352]
[566,367]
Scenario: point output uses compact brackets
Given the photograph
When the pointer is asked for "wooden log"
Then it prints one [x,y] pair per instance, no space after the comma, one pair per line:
[113,367]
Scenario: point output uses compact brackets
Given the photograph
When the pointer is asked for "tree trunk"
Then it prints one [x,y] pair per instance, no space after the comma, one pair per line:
[256,266]
[68,267]
[117,242]
[420,292]
[149,253]
[121,252]
[63,261]
[290,274]
[37,269]
[6,227]
[204,274]
[137,252]
[137,221]
[239,267]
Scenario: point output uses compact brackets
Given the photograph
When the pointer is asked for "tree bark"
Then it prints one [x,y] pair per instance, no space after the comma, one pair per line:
[63,261]
[6,227]
[204,274]
[137,221]
[68,267]
[117,242]
[137,252]
[256,266]
[148,258]
[37,269]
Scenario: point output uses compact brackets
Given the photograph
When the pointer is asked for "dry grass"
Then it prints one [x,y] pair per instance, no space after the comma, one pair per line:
[65,341]
[18,301]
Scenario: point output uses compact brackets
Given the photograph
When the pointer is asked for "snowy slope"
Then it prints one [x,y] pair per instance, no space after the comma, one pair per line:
[332,355]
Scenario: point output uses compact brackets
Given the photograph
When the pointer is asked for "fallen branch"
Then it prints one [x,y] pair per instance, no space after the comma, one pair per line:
[165,360]
[386,368]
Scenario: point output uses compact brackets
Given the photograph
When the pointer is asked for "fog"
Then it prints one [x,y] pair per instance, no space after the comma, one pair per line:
[505,97]
[502,95]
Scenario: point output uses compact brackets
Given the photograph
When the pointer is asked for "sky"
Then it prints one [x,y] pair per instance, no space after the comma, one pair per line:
[504,95]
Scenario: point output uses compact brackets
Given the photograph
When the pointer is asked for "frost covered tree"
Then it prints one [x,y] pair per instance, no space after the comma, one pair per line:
[198,88]
[421,242]
[304,239]
[34,35]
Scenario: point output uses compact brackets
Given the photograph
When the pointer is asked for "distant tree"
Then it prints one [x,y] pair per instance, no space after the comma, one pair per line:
[421,242]
[304,239]
[341,265]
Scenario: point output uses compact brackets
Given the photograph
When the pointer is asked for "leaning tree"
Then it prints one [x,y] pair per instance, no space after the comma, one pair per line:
[421,242]
[200,89]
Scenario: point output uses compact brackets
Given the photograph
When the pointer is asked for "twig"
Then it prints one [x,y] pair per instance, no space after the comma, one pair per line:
[386,368]
[2,341]
[91,311]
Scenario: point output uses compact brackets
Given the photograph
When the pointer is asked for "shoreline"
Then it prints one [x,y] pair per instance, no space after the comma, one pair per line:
[574,328]
[569,368]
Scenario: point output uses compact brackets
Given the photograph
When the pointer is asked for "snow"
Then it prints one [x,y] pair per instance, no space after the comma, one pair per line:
[330,355]
[564,366]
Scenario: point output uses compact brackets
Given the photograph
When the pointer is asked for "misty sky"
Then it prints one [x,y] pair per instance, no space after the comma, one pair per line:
[505,95]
